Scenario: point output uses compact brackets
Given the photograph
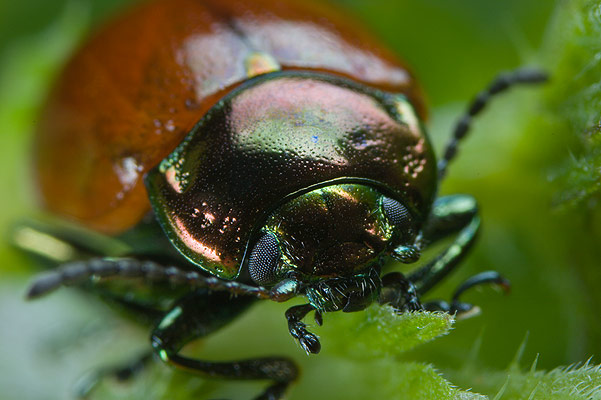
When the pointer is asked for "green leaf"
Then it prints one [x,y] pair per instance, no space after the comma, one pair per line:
[576,98]
[576,382]
[566,383]
[380,332]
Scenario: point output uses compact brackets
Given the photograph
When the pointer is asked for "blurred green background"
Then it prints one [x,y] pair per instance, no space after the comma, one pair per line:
[532,161]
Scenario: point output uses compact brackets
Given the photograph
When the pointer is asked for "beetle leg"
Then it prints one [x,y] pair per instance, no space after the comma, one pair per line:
[465,310]
[201,313]
[308,341]
[399,292]
[78,272]
[450,214]
[487,277]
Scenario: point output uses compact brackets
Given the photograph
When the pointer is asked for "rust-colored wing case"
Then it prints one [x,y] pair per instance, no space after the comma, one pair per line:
[132,93]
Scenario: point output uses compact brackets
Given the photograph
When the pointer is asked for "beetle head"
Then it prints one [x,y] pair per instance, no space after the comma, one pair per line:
[328,244]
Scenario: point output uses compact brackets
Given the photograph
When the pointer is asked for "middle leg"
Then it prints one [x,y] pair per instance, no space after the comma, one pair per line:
[201,313]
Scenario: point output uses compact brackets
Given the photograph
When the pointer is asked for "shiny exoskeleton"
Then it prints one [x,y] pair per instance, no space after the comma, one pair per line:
[265,151]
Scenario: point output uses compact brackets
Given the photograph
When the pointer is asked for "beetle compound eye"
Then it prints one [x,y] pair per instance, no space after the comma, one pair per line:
[263,260]
[397,214]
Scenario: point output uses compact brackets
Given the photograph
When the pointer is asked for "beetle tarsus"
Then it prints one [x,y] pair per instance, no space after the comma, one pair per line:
[487,277]
[464,310]
[459,309]
[43,285]
[308,341]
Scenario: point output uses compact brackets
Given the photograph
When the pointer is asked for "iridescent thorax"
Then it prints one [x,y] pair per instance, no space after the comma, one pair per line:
[274,138]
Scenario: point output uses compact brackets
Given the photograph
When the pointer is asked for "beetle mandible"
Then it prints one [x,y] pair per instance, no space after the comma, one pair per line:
[267,151]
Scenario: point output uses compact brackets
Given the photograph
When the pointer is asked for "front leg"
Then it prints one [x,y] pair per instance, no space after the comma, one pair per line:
[464,310]
[308,341]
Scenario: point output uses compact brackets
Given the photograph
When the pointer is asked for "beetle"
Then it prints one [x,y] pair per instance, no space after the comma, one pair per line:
[265,151]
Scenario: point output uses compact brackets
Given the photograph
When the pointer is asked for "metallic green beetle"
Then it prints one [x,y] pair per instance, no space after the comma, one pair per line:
[303,179]
[298,184]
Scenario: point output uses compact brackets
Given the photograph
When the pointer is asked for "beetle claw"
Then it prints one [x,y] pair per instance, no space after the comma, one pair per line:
[464,310]
[310,343]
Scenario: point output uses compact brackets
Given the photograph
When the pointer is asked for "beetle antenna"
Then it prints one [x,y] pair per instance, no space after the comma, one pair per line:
[78,272]
[499,85]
